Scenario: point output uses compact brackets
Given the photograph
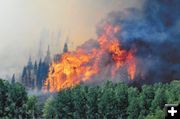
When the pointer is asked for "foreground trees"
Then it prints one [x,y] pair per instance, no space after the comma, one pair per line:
[113,101]
[110,100]
[14,102]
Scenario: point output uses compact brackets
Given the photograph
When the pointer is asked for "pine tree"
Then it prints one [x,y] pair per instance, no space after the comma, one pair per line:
[13,79]
[35,67]
[30,65]
[39,74]
[35,74]
[47,59]
[24,76]
[65,49]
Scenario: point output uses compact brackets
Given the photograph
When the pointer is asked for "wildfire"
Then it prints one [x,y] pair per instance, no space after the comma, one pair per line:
[82,65]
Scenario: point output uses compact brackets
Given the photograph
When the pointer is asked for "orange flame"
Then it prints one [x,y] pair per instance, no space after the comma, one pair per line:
[81,65]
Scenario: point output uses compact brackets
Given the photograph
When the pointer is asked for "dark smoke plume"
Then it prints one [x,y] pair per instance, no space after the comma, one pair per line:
[154,33]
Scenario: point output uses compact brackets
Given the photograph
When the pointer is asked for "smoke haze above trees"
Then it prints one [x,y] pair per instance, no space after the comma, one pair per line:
[24,23]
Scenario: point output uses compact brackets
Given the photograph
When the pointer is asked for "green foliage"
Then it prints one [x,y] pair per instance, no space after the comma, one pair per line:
[4,98]
[133,102]
[159,114]
[33,110]
[112,101]
[173,92]
[49,110]
[14,102]
[79,102]
[92,101]
[145,99]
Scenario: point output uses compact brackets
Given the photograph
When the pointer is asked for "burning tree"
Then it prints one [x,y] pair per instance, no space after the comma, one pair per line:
[140,44]
[82,65]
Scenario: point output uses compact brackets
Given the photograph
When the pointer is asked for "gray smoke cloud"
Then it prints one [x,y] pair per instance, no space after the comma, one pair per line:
[153,32]
[28,27]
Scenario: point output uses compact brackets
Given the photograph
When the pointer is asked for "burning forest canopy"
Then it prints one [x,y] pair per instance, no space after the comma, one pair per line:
[135,46]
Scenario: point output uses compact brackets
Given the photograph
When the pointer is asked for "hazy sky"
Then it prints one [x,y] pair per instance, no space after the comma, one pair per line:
[24,23]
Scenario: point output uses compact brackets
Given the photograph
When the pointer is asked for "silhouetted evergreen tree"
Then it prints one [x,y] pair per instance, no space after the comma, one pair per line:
[33,76]
[65,49]
[13,79]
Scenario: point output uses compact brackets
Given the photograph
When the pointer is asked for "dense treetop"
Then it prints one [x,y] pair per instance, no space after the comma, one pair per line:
[14,102]
[112,101]
[109,100]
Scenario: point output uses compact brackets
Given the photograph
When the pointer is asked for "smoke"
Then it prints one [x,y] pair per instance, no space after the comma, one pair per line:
[28,27]
[153,32]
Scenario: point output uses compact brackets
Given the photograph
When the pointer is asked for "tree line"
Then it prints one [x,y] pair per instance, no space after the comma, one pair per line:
[106,101]
[112,101]
[15,103]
